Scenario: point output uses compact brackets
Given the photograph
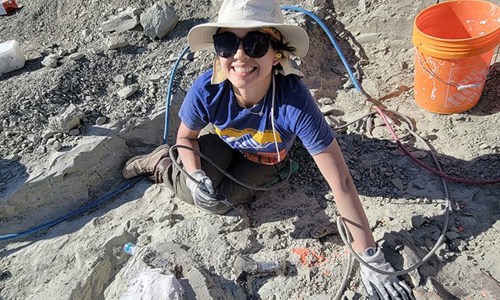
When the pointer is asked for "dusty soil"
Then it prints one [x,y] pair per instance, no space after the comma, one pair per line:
[82,258]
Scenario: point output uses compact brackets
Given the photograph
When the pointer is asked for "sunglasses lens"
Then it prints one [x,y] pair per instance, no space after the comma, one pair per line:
[226,44]
[256,44]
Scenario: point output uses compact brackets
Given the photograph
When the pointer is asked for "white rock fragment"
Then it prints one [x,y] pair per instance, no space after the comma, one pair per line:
[120,79]
[70,119]
[11,57]
[57,146]
[62,52]
[125,20]
[76,56]
[154,77]
[49,62]
[116,42]
[128,91]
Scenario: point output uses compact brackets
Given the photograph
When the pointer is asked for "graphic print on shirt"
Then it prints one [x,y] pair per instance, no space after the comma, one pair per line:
[257,146]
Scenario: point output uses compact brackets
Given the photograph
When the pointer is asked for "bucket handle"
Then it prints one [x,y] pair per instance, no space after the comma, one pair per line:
[428,69]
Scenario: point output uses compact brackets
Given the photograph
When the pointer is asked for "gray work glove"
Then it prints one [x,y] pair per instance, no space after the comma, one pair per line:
[379,286]
[202,190]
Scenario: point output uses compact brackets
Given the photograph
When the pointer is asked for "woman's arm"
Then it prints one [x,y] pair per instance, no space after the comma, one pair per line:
[189,138]
[334,169]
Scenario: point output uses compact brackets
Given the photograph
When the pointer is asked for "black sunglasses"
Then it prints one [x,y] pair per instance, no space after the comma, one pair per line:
[255,44]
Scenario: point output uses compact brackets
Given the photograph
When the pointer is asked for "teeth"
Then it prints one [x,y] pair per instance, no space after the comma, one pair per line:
[243,70]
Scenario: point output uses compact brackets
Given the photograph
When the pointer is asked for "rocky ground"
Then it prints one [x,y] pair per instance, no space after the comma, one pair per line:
[89,97]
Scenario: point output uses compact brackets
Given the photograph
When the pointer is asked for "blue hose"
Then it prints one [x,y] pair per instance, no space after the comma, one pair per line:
[332,39]
[169,92]
[131,183]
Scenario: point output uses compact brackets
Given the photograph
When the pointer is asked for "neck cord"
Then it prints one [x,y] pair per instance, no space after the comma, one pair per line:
[272,121]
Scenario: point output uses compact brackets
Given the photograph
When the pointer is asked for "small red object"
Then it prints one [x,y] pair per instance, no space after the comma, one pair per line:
[8,6]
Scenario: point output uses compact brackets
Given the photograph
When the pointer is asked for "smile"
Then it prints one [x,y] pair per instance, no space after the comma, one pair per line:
[243,70]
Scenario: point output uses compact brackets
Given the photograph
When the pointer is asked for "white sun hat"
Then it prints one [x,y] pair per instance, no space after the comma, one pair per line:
[250,14]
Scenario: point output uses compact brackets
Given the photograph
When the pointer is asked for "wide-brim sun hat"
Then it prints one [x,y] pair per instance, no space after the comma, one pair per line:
[248,14]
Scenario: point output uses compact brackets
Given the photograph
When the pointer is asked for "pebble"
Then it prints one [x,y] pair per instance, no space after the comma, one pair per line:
[484,146]
[57,146]
[49,62]
[349,294]
[128,91]
[119,79]
[154,77]
[101,121]
[74,132]
[398,183]
[451,235]
[76,56]
[417,221]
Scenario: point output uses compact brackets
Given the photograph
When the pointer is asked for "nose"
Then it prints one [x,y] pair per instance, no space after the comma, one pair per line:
[240,53]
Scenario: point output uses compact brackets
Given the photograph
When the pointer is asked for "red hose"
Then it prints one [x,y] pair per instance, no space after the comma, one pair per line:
[426,166]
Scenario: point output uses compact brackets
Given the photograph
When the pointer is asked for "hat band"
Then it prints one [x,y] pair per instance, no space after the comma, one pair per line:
[273,32]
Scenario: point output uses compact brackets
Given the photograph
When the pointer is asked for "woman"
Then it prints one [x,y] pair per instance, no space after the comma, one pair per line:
[257,105]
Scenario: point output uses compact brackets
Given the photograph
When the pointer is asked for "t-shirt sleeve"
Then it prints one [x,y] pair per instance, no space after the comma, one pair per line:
[193,111]
[309,123]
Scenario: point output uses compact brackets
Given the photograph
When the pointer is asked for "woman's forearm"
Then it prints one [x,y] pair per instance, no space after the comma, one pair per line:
[190,160]
[189,138]
[334,169]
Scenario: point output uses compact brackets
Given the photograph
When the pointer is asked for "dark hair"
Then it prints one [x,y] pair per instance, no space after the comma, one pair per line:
[279,46]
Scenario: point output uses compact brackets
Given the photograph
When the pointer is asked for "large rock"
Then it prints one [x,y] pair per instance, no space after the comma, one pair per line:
[158,20]
[68,181]
[11,57]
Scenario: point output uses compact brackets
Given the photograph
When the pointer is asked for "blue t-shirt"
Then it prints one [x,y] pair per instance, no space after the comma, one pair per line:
[296,115]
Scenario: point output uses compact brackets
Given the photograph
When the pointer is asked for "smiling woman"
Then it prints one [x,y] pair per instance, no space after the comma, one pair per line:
[249,66]
[245,115]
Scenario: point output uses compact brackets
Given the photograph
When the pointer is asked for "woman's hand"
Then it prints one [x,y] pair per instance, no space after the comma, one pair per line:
[202,191]
[380,286]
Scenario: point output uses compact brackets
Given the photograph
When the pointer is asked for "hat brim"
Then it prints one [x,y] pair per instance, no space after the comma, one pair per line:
[200,37]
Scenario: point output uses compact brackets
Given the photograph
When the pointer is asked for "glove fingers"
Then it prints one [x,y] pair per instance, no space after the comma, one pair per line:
[205,205]
[206,202]
[382,292]
[202,198]
[368,285]
[374,296]
[208,185]
[400,291]
[394,291]
[404,286]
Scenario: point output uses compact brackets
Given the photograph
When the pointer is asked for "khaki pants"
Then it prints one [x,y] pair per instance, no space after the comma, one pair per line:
[230,160]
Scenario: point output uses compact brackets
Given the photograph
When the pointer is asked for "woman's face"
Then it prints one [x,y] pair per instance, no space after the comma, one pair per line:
[244,71]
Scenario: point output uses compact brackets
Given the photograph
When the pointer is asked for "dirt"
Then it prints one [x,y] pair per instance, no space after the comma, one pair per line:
[45,175]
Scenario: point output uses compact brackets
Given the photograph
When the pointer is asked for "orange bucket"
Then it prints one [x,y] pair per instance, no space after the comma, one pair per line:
[454,44]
